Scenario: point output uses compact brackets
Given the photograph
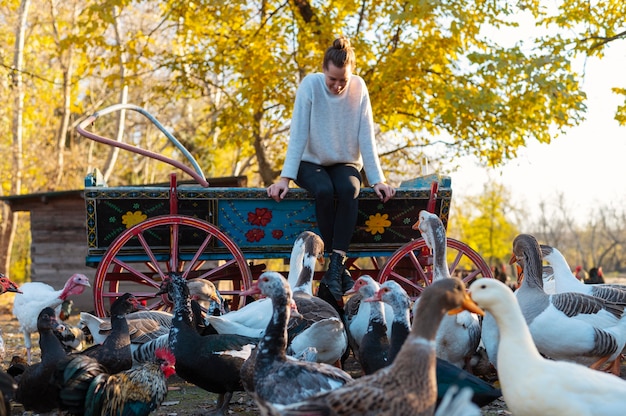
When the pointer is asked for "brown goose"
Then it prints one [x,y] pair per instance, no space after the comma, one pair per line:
[408,386]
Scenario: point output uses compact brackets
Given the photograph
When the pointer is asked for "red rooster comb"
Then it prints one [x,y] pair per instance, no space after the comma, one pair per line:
[166,355]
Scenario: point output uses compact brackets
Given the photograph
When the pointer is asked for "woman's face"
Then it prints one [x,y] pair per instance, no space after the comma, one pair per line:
[337,78]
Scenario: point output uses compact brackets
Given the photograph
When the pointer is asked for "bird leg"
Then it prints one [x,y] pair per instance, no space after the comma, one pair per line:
[599,363]
[223,401]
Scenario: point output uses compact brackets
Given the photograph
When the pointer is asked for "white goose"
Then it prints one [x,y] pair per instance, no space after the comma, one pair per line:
[567,326]
[458,336]
[532,385]
[567,282]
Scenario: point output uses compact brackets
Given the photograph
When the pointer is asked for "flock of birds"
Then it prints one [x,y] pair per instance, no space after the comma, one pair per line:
[557,346]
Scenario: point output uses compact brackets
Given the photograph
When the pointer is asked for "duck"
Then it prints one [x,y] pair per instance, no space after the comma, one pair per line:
[115,354]
[359,316]
[318,325]
[143,325]
[407,386]
[565,281]
[212,362]
[208,297]
[374,346]
[34,390]
[567,326]
[448,376]
[459,335]
[278,379]
[533,385]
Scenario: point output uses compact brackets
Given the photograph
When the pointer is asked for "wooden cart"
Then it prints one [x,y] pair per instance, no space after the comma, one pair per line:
[137,235]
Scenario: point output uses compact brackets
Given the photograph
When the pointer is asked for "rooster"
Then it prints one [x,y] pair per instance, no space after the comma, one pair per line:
[87,389]
[36,296]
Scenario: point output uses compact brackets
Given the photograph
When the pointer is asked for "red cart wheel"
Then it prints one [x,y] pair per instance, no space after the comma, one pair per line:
[411,265]
[131,265]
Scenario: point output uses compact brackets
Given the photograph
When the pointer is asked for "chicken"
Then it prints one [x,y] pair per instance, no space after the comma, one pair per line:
[34,390]
[85,388]
[36,296]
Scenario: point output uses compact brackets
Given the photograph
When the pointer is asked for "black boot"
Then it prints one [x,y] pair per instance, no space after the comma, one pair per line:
[333,277]
[346,281]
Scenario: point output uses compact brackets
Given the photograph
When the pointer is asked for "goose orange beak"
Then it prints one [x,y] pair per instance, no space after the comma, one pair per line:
[467,305]
[416,226]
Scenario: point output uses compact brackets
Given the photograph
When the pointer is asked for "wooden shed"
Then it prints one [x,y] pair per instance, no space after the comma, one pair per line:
[59,235]
[58,238]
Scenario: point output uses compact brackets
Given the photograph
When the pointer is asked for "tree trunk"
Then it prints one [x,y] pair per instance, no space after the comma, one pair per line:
[8,231]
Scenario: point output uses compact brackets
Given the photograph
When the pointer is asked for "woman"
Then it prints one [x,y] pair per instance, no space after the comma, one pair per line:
[331,139]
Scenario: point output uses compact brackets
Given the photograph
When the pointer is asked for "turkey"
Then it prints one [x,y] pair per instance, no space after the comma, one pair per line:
[34,390]
[114,354]
[36,296]
[85,388]
[223,354]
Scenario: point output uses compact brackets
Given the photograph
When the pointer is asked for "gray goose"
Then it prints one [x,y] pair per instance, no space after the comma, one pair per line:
[567,326]
[408,386]
[277,379]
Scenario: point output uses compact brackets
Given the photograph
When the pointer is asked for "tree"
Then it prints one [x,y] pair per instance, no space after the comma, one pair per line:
[484,223]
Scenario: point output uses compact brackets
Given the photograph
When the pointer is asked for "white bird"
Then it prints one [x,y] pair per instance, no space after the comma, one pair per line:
[566,281]
[532,385]
[320,325]
[567,326]
[358,315]
[36,296]
[458,336]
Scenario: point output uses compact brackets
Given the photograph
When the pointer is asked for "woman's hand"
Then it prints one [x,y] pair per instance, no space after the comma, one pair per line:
[278,190]
[385,192]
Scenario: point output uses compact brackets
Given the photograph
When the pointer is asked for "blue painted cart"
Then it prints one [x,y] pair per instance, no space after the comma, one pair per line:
[138,234]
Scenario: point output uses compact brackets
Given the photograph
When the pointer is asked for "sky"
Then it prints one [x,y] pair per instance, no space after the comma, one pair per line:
[587,164]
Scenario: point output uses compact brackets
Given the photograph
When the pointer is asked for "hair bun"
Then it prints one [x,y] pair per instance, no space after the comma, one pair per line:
[341,43]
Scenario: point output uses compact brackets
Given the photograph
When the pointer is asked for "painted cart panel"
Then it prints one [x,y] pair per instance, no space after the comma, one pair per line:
[261,227]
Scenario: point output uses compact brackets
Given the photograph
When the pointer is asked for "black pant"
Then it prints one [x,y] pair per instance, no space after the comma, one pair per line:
[336,221]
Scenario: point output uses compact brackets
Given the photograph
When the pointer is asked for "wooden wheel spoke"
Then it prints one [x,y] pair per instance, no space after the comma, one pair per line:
[133,271]
[150,254]
[193,264]
[174,246]
[216,271]
[455,262]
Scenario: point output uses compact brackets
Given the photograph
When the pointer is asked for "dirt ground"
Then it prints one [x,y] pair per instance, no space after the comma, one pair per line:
[183,399]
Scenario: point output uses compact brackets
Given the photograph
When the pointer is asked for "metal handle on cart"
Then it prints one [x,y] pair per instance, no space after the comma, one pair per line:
[195,173]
